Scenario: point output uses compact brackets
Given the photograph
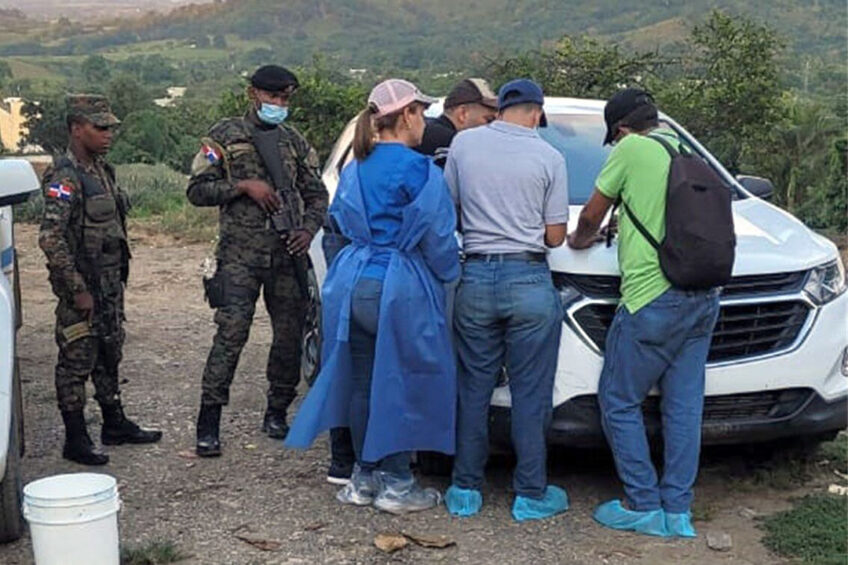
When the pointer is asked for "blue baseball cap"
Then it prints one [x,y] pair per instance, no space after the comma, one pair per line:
[522,91]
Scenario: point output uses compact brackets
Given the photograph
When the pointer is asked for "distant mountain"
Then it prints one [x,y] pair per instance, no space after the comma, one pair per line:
[448,33]
[88,10]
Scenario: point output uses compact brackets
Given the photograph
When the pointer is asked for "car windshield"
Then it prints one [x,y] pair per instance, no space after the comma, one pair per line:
[579,137]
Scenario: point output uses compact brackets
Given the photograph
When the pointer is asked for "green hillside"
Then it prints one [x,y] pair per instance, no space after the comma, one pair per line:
[440,33]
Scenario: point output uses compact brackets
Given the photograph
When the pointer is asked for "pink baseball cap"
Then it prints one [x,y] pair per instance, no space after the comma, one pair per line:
[395,94]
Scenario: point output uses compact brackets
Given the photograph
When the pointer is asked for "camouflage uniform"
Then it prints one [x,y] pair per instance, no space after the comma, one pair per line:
[83,234]
[251,256]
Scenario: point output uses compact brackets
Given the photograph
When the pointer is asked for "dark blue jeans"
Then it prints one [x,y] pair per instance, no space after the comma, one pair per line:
[341,449]
[365,314]
[507,312]
[664,344]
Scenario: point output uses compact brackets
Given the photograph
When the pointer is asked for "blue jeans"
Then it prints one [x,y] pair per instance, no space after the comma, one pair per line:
[506,312]
[664,344]
[365,314]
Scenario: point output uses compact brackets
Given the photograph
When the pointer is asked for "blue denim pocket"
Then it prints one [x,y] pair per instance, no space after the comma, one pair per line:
[657,322]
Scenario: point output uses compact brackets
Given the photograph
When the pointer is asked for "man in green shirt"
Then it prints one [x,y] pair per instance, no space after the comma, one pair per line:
[660,336]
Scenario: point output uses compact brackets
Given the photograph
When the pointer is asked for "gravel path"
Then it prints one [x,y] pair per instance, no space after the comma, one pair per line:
[258,490]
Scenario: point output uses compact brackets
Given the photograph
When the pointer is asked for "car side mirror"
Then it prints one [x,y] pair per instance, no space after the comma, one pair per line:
[17,181]
[758,186]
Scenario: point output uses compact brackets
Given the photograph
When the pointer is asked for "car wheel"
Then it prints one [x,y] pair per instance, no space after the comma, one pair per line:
[434,463]
[310,355]
[11,520]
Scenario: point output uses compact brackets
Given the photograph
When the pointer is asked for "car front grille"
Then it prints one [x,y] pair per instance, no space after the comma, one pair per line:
[608,286]
[742,330]
[752,406]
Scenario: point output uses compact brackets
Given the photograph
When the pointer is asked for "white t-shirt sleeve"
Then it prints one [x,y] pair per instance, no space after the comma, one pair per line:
[556,197]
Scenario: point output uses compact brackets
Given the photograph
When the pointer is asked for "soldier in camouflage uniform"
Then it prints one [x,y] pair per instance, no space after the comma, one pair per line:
[83,234]
[229,172]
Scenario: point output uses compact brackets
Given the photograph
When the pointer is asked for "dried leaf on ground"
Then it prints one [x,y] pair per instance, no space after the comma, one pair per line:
[389,543]
[259,543]
[315,526]
[437,541]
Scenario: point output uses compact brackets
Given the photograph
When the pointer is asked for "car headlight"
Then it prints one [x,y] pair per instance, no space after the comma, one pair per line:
[826,282]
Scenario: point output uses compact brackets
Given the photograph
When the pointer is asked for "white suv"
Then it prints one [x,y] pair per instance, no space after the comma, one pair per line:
[778,363]
[17,181]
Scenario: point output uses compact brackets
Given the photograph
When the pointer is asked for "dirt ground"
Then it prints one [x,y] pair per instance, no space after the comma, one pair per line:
[259,490]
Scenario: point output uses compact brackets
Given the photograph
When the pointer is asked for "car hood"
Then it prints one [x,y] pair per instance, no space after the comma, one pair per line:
[769,240]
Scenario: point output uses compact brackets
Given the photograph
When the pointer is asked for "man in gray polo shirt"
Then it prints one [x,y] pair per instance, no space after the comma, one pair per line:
[511,190]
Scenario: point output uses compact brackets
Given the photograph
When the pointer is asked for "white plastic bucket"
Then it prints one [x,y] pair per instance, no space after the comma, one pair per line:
[73,519]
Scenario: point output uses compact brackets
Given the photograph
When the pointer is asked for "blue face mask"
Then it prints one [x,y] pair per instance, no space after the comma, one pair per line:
[273,114]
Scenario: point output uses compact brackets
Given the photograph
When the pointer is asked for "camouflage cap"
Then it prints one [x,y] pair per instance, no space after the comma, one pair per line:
[93,107]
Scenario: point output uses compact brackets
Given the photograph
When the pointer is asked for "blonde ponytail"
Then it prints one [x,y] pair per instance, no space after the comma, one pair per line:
[364,136]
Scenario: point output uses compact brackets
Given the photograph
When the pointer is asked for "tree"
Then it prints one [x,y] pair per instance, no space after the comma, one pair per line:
[806,159]
[46,125]
[582,67]
[730,95]
[127,95]
[95,70]
[324,104]
[146,136]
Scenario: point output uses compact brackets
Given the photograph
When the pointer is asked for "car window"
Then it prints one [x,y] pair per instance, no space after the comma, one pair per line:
[579,137]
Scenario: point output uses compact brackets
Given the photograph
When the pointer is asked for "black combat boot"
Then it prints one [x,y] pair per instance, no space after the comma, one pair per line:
[274,423]
[78,445]
[208,425]
[118,429]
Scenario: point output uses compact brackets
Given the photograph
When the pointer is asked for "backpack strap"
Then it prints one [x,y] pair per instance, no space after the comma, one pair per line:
[672,152]
[620,202]
[639,226]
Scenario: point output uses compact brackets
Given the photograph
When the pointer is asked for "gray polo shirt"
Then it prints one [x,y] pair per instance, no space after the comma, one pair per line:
[508,184]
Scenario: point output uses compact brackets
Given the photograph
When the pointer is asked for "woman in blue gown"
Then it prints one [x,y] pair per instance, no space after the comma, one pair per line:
[388,367]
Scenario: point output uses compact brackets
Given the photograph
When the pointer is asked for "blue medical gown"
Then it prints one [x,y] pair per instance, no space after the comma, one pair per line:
[413,390]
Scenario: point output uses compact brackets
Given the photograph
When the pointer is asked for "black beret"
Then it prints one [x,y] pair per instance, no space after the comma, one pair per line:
[273,78]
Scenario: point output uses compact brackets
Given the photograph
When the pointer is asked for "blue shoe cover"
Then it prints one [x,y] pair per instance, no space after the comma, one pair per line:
[680,525]
[463,502]
[613,515]
[554,502]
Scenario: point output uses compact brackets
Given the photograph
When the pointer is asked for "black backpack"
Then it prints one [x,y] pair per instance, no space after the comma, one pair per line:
[698,250]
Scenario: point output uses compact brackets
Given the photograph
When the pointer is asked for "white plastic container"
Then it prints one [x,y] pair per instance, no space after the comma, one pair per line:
[73,519]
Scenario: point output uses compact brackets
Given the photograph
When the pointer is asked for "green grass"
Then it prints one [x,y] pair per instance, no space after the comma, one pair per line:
[152,553]
[836,453]
[159,202]
[23,69]
[181,50]
[815,531]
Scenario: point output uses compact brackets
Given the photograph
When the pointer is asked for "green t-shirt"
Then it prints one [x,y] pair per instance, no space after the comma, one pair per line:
[637,171]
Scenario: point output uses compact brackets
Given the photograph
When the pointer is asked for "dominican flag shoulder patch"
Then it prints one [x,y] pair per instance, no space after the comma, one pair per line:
[212,154]
[60,190]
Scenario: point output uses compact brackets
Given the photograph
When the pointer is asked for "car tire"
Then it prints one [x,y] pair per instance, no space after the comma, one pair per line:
[310,352]
[434,464]
[11,519]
